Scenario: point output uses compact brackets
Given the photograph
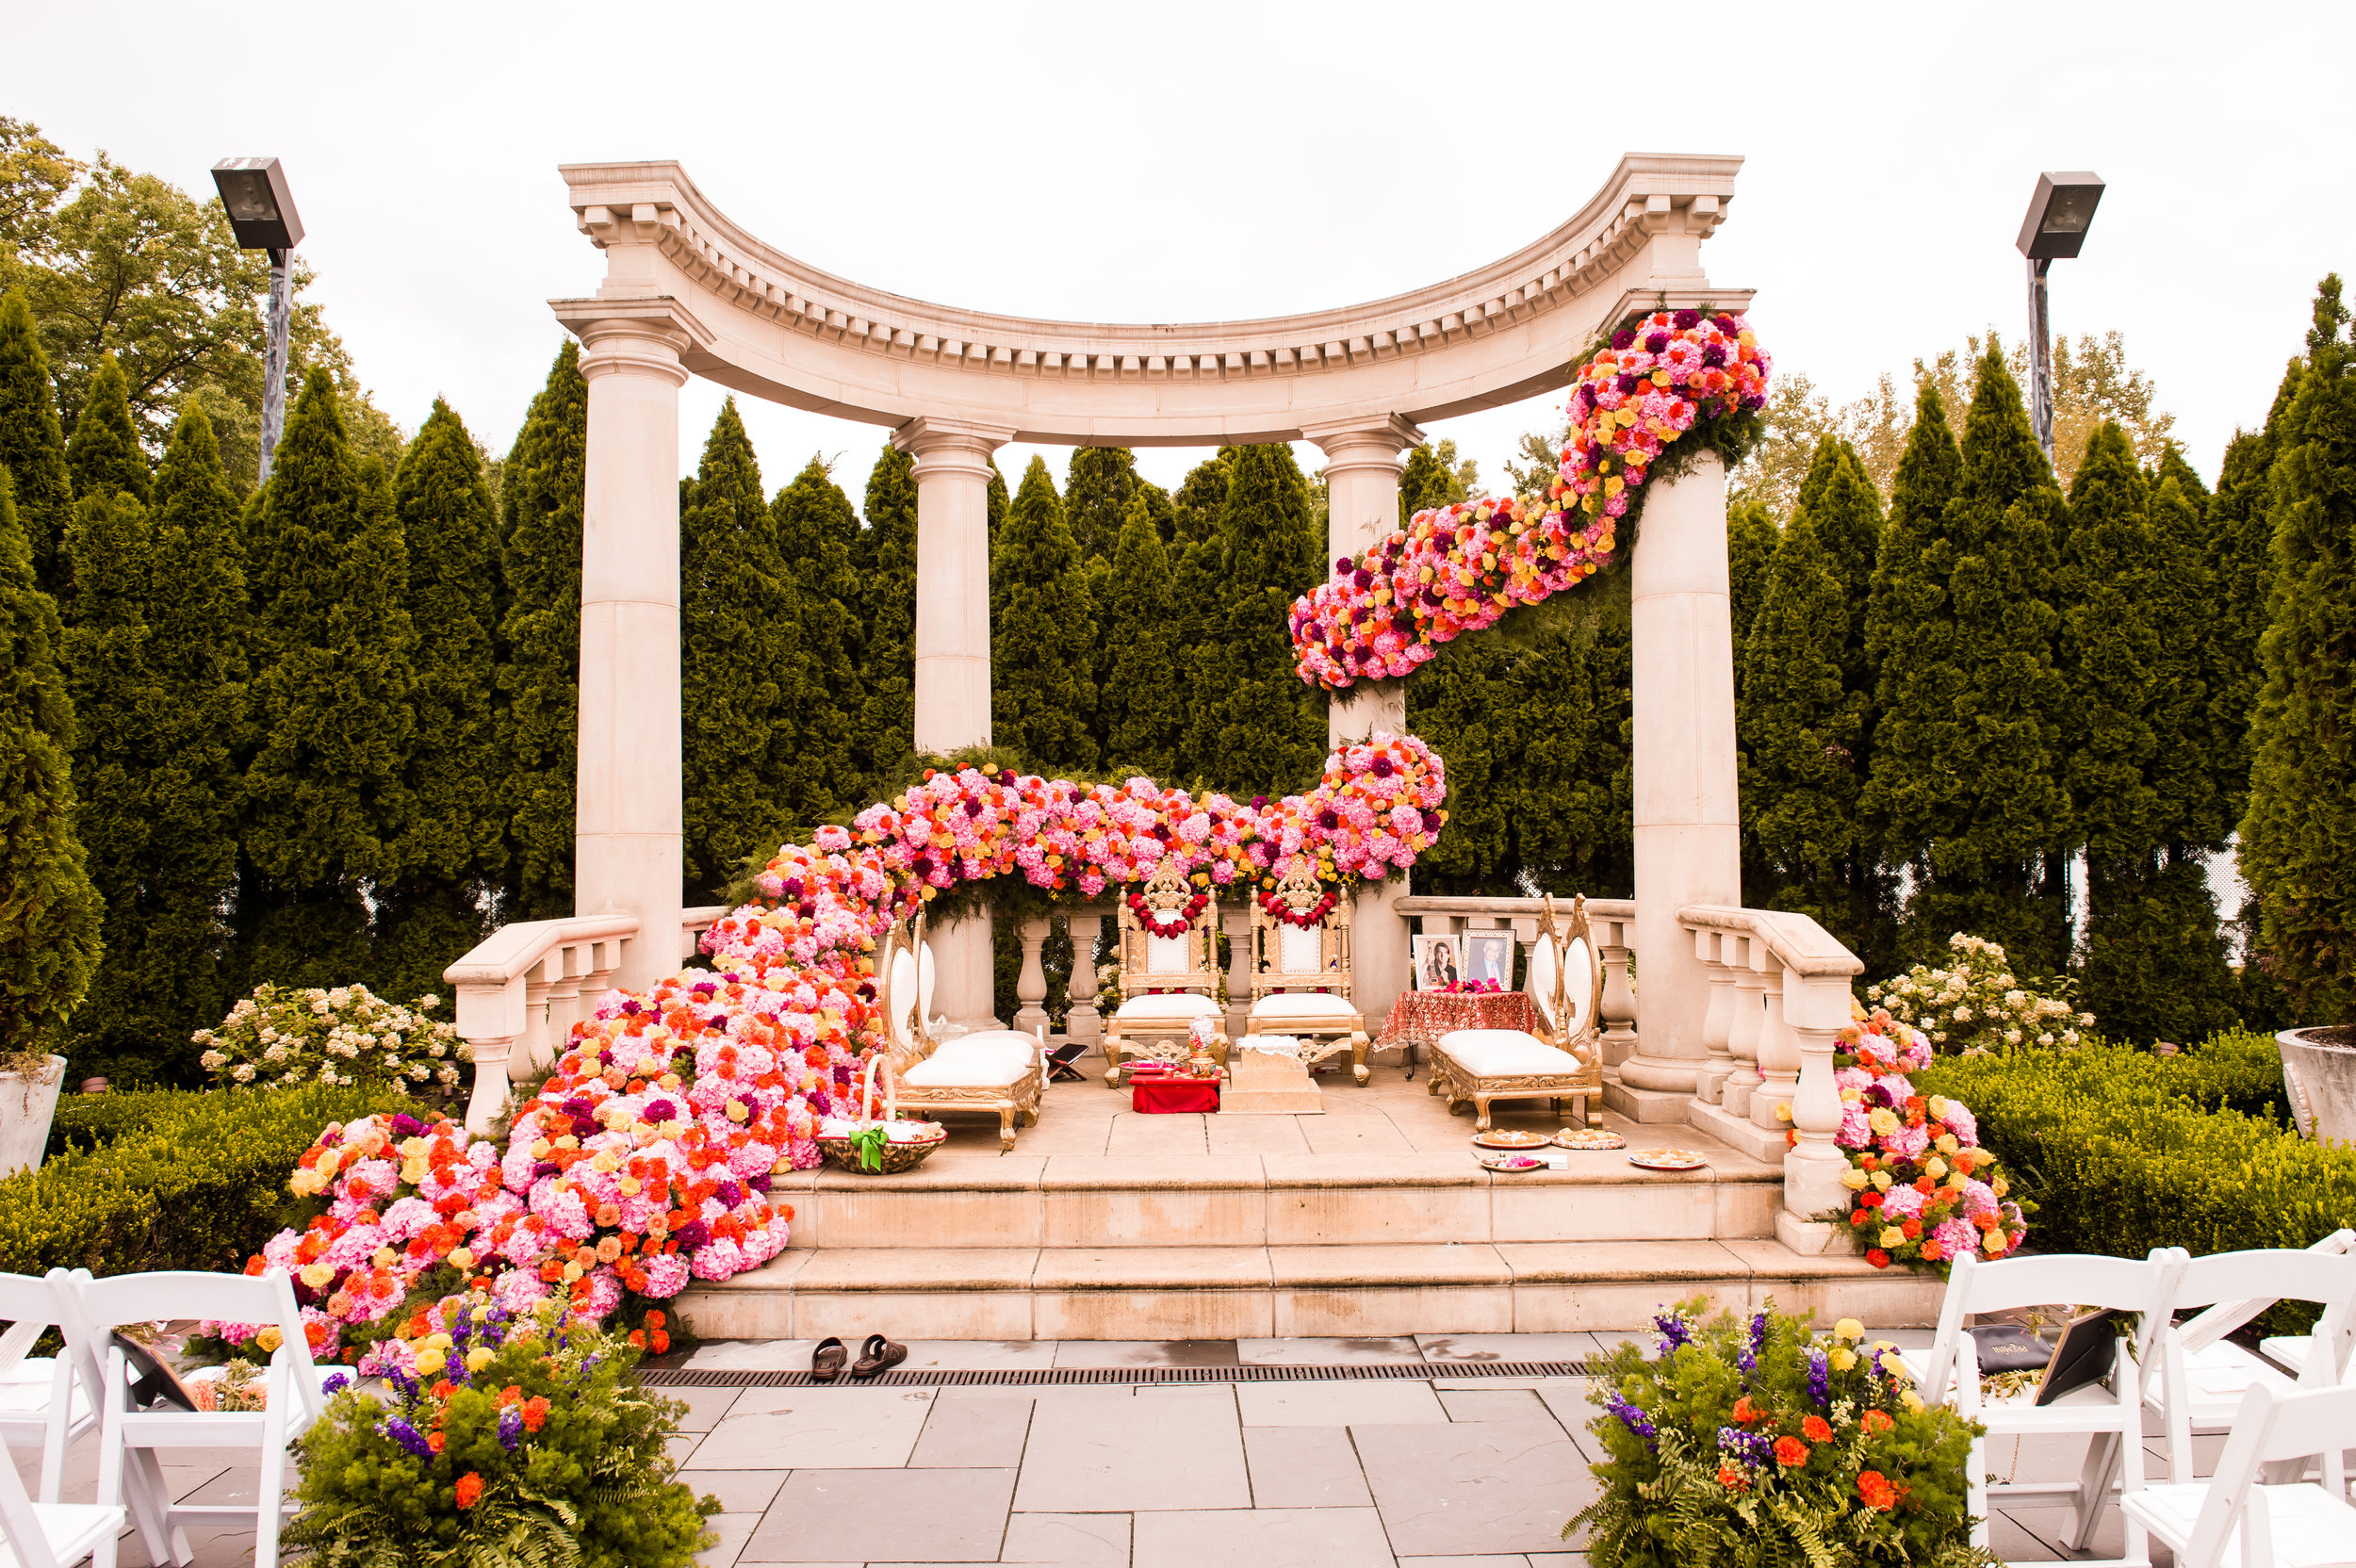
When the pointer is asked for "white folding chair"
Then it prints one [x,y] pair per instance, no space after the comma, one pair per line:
[2296,1525]
[2290,1351]
[130,1439]
[2110,1418]
[42,1404]
[44,1534]
[2202,1376]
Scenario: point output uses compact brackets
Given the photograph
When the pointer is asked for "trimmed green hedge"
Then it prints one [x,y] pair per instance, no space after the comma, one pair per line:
[168,1178]
[2123,1151]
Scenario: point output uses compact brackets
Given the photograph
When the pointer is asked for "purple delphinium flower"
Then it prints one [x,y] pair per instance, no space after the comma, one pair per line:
[334,1382]
[1750,1447]
[1632,1417]
[1819,1376]
[400,1431]
[1759,1333]
[1674,1332]
[510,1427]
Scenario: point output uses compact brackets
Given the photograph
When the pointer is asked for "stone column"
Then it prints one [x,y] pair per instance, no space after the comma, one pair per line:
[1235,923]
[1361,464]
[1619,997]
[1688,848]
[1085,1022]
[628,833]
[953,474]
[1030,986]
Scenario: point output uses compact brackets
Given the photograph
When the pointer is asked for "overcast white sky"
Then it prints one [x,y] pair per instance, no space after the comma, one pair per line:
[1213,161]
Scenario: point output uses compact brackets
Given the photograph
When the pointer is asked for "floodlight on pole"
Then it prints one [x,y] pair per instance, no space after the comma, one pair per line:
[262,215]
[2059,216]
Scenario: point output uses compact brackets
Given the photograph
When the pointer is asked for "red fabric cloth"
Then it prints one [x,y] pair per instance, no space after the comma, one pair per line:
[1420,1018]
[1172,1096]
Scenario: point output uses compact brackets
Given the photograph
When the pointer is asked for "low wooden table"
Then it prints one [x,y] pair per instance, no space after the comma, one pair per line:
[1420,1018]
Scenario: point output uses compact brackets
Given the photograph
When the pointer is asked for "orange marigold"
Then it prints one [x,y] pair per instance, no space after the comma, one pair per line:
[1815,1429]
[470,1490]
[535,1412]
[1875,1488]
[1791,1451]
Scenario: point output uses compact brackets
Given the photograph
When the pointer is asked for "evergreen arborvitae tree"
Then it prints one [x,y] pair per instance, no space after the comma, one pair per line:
[998,501]
[1751,539]
[329,803]
[2298,839]
[49,922]
[455,848]
[746,673]
[1424,482]
[884,561]
[1042,635]
[1201,496]
[32,443]
[1142,695]
[104,455]
[541,495]
[1800,729]
[1200,590]
[168,947]
[818,755]
[1271,726]
[1097,489]
[1965,780]
[1462,704]
[2238,532]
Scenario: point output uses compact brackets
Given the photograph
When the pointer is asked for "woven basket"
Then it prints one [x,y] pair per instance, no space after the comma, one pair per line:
[896,1157]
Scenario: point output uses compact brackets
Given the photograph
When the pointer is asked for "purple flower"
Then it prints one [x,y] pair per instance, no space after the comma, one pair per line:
[1656,342]
[1687,319]
[1328,818]
[632,1008]
[334,1382]
[1759,1333]
[510,1427]
[1819,1378]
[400,1431]
[407,1126]
[691,1236]
[1729,325]
[1622,339]
[1674,1332]
[1381,767]
[705,987]
[660,1110]
[1713,356]
[759,1183]
[1632,1417]
[547,1168]
[1628,384]
[1750,1447]
[973,806]
[1343,562]
[578,1106]
[729,1193]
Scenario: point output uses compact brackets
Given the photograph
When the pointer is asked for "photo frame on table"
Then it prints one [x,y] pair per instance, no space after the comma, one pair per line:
[1489,955]
[1439,962]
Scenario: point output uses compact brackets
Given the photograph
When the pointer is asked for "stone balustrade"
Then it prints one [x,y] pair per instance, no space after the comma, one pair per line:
[1780,995]
[521,989]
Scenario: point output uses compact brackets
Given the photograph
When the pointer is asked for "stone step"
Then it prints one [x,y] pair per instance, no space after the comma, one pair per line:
[1021,1293]
[1218,1200]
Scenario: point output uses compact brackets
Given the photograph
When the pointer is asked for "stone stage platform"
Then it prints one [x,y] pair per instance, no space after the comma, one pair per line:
[1371,1219]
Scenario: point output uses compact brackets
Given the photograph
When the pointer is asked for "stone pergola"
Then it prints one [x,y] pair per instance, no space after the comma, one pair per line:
[688,292]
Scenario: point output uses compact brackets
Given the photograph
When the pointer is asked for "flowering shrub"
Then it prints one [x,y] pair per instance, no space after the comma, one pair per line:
[1758,1441]
[1976,1003]
[1459,568]
[519,1437]
[283,1034]
[1925,1191]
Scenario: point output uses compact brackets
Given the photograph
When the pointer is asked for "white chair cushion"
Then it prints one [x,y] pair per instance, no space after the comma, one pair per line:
[1505,1054]
[1299,950]
[1302,1007]
[1169,1004]
[970,1061]
[1168,955]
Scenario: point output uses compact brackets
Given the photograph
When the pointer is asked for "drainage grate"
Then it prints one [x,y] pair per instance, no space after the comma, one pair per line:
[691,1377]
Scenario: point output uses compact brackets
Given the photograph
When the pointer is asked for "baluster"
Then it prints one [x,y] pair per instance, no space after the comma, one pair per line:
[564,995]
[539,1051]
[1816,1008]
[1084,1023]
[1238,925]
[489,1096]
[1745,955]
[1030,986]
[1778,1055]
[1718,1021]
[1619,997]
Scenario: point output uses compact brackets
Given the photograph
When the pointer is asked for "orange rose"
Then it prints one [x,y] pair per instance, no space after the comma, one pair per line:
[470,1490]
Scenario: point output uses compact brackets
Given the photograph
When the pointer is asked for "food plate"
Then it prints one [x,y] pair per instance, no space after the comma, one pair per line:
[1510,1139]
[1589,1138]
[1516,1164]
[1667,1159]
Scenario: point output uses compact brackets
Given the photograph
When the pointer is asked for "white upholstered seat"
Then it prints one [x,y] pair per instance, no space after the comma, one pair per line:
[1560,1058]
[997,1057]
[1300,1006]
[997,1070]
[1168,1004]
[1505,1052]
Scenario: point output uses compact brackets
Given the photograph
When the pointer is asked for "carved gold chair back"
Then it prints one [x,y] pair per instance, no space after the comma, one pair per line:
[1151,962]
[1290,956]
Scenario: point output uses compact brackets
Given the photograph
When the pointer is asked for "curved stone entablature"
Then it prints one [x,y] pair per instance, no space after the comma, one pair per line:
[755,319]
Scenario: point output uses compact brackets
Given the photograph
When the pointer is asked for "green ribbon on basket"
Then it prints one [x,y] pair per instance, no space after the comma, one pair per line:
[870,1143]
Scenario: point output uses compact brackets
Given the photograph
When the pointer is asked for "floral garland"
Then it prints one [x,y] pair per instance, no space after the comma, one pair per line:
[1459,568]
[1470,987]
[1176,927]
[1308,919]
[1924,1191]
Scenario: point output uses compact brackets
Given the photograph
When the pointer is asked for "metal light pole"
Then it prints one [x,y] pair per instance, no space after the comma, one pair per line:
[2054,229]
[262,213]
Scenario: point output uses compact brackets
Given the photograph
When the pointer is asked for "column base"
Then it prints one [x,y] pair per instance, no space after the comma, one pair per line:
[1669,1074]
[1652,1107]
[1809,1237]
[1758,1142]
[1811,1181]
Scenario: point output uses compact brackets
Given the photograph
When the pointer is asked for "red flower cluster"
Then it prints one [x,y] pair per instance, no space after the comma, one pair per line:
[1177,925]
[1306,920]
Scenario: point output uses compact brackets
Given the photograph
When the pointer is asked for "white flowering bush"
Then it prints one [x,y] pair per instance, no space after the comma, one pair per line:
[1977,1004]
[286,1035]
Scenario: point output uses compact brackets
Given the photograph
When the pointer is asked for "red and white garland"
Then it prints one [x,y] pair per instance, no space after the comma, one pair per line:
[1174,928]
[1307,920]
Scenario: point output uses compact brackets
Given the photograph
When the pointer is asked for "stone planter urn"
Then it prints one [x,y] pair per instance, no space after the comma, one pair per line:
[27,1103]
[2320,1074]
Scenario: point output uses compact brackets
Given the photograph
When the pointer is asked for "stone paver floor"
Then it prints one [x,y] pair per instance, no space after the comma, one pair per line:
[1425,1472]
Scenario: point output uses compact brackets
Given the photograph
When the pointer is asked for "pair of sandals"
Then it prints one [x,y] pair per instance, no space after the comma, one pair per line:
[878,1355]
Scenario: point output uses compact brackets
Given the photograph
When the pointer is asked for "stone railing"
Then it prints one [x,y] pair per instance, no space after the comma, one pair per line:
[1612,919]
[522,989]
[1779,991]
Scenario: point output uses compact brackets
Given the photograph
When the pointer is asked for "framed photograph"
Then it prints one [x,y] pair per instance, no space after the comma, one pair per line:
[1489,955]
[1439,961]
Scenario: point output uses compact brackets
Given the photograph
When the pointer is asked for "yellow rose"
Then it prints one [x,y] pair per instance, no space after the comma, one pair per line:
[1883,1121]
[1994,1243]
[737,1110]
[1848,1328]
[1997,1186]
[317,1275]
[270,1339]
[1892,1237]
[1783,1110]
[629,1186]
[539,1149]
[1853,1179]
[1937,1103]
[1935,1168]
[414,1172]
[572,1272]
[1912,1401]
[1881,1179]
[463,1258]
[604,1161]
[384,1257]
[1949,1143]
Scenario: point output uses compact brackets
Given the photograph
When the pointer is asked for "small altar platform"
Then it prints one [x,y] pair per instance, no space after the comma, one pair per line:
[1372,1218]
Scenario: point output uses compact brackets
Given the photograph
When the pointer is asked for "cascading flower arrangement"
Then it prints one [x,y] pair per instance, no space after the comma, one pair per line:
[1924,1190]
[1663,381]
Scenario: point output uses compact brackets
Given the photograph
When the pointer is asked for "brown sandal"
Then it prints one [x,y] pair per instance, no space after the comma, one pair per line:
[878,1355]
[825,1361]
